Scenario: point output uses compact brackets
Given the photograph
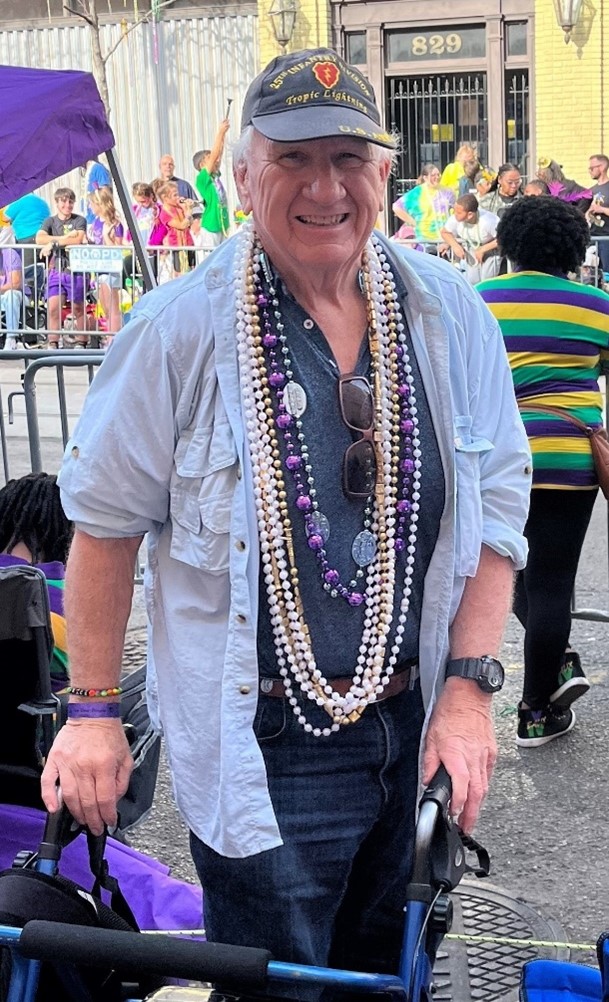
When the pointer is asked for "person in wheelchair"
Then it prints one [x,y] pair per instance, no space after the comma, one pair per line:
[34,530]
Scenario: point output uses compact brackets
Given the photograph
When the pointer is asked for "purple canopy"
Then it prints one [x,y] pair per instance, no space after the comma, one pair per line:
[51,122]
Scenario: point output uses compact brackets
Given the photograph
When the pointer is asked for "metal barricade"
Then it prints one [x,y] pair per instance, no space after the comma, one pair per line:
[592,271]
[81,298]
[33,363]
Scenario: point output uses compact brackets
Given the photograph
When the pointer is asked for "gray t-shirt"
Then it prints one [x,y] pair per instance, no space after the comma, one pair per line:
[335,627]
[56,227]
[600,224]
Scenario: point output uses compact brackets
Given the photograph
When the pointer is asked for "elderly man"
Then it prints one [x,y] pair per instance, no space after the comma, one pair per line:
[166,172]
[319,435]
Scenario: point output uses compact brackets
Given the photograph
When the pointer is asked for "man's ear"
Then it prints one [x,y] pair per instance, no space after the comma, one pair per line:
[384,171]
[240,176]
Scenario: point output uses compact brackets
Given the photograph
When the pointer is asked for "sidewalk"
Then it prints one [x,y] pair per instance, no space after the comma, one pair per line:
[545,821]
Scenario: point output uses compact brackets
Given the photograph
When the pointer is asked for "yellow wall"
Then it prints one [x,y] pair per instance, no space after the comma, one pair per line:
[571,87]
[312,28]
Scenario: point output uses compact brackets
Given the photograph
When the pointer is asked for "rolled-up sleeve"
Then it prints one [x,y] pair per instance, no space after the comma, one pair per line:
[117,465]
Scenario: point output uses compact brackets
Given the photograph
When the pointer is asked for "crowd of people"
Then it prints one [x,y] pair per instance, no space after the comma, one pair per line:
[175,221]
[340,470]
[456,212]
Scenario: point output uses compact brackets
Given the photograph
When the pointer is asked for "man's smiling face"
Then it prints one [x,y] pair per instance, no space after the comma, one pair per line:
[315,202]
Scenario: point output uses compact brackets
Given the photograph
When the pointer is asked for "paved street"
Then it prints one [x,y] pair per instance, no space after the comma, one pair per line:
[546,817]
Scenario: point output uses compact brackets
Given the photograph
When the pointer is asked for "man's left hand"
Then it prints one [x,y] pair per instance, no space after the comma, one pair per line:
[461,737]
[479,254]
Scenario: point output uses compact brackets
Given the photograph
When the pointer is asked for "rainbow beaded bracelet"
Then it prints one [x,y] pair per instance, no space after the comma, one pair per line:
[94,693]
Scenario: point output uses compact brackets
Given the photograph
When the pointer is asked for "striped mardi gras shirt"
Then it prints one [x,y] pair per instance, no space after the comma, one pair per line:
[556,333]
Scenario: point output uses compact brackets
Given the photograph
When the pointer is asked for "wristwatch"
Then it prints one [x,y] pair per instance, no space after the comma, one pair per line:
[486,671]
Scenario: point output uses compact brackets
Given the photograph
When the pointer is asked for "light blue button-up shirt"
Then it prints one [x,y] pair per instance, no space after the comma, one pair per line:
[161,448]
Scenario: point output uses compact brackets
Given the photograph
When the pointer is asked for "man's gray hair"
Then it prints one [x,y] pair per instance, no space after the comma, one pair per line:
[242,147]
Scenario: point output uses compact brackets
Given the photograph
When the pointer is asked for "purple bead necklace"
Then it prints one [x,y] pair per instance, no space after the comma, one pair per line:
[297,461]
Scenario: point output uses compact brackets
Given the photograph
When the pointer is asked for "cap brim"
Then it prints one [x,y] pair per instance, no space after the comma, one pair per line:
[319,122]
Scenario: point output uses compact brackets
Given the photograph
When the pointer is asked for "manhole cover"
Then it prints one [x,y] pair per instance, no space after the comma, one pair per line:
[467,971]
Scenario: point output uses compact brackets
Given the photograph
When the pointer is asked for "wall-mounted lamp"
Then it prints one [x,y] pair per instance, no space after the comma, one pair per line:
[283,18]
[567,15]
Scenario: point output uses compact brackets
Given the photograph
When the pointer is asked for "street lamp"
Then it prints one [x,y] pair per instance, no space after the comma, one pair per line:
[567,15]
[283,19]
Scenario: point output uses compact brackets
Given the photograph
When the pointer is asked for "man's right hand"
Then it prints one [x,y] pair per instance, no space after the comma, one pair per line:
[91,762]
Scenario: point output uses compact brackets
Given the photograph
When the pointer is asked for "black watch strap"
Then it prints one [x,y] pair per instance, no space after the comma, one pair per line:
[486,671]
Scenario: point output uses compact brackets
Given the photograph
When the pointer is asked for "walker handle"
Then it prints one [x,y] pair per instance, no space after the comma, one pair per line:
[132,953]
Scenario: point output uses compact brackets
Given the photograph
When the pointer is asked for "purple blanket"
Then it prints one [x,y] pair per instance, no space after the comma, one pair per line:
[157,900]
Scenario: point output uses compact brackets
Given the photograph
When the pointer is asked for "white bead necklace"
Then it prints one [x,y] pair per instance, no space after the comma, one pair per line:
[295,658]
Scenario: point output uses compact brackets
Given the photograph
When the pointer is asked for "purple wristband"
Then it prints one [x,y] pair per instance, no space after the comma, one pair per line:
[80,711]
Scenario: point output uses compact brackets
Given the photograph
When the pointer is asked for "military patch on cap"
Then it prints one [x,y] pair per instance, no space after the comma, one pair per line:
[327,74]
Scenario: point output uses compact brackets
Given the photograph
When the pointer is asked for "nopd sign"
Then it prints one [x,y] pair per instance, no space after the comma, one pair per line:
[104,260]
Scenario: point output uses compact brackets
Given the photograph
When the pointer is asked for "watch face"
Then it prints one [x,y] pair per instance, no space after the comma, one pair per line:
[493,678]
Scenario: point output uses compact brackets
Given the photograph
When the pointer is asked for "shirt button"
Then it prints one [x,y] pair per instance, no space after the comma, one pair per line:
[241,618]
[308,324]
[239,471]
[240,545]
[245,690]
[75,452]
[528,470]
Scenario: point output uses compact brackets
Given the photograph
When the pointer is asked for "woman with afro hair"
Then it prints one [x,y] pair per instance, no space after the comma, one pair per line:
[556,333]
[34,530]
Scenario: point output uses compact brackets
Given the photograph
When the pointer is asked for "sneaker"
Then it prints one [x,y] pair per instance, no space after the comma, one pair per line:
[572,683]
[537,727]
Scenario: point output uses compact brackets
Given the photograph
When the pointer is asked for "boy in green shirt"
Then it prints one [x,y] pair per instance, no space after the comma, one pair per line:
[207,162]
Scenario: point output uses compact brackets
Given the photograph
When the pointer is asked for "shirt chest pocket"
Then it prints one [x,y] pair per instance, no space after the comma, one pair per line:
[468,521]
[201,497]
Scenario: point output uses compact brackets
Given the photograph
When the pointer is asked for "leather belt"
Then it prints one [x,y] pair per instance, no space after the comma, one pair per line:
[405,675]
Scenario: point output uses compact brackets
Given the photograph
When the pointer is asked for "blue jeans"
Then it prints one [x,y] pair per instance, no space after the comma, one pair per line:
[10,304]
[334,893]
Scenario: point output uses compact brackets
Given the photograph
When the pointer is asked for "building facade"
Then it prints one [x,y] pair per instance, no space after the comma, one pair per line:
[493,73]
[448,73]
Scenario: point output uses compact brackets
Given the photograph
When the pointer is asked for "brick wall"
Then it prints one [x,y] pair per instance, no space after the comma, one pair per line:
[312,28]
[571,82]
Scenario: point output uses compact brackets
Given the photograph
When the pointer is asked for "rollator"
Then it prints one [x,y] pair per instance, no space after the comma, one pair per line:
[440,861]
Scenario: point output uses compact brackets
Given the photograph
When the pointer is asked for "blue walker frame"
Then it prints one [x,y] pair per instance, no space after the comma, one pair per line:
[439,863]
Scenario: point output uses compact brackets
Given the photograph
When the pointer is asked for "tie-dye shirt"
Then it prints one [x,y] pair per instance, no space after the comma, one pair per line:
[54,573]
[430,208]
[556,333]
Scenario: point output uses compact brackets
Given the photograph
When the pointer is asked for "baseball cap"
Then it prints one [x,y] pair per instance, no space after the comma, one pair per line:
[311,94]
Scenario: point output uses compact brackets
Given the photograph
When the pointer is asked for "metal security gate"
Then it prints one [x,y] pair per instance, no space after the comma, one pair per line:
[517,119]
[434,115]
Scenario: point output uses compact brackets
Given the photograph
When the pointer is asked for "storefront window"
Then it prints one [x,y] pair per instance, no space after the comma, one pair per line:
[433,44]
[355,47]
[516,38]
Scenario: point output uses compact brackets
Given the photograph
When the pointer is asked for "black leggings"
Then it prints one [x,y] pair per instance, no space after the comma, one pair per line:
[556,528]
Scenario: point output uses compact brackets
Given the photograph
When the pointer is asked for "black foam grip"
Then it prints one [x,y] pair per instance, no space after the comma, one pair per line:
[134,954]
[439,789]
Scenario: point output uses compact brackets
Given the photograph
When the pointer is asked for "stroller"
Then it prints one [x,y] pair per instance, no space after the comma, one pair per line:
[439,864]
